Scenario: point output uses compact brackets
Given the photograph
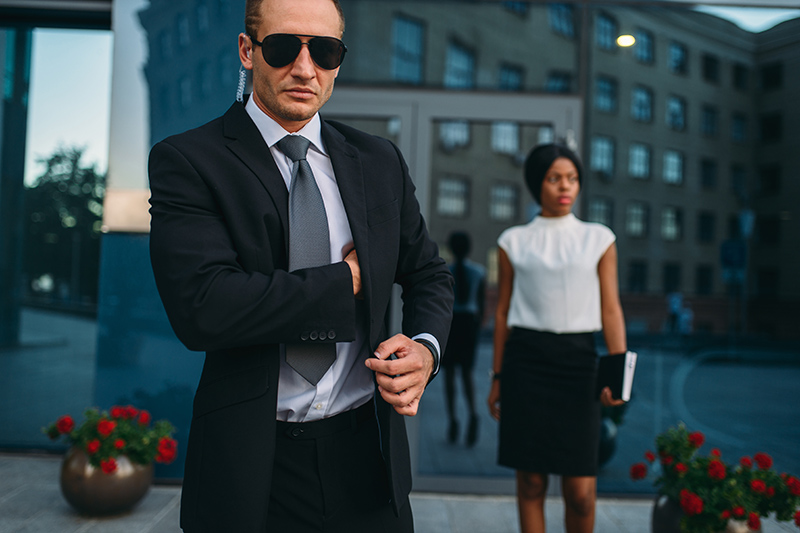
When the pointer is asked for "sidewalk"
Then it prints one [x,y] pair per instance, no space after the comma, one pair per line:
[31,502]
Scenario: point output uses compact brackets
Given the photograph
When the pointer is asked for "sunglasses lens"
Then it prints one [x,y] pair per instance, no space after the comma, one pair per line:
[326,52]
[280,49]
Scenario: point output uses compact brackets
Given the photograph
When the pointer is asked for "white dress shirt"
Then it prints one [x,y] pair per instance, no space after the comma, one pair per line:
[556,284]
[348,383]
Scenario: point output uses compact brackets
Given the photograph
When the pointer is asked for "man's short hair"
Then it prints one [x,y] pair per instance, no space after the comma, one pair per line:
[252,17]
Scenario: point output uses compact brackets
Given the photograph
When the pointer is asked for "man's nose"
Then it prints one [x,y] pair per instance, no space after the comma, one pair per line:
[303,66]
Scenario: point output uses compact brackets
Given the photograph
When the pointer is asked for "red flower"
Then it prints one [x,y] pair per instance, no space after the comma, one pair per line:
[794,485]
[716,453]
[638,471]
[725,514]
[131,412]
[770,492]
[119,444]
[105,427]
[691,504]
[754,521]
[746,462]
[167,450]
[716,469]
[797,518]
[117,412]
[758,486]
[738,511]
[144,418]
[667,460]
[696,439]
[764,461]
[65,424]
[108,465]
[93,446]
[650,456]
[681,468]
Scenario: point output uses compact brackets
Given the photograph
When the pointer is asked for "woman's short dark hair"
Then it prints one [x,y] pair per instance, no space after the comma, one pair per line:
[460,244]
[539,161]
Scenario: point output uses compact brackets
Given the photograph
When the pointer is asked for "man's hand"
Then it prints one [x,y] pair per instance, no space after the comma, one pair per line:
[608,400]
[355,270]
[402,381]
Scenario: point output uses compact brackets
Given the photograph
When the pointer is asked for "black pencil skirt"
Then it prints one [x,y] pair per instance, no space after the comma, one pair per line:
[550,414]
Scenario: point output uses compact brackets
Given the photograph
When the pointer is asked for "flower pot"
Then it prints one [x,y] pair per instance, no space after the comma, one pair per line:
[667,515]
[93,492]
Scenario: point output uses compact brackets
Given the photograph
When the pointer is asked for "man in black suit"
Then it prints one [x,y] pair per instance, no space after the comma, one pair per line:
[271,449]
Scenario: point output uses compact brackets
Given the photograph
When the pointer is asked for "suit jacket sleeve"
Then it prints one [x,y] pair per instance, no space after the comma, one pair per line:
[216,295]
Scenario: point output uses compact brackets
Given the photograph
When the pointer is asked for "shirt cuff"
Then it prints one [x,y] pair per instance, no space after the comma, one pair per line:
[432,344]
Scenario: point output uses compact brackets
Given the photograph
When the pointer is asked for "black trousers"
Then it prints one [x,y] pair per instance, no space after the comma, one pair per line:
[329,476]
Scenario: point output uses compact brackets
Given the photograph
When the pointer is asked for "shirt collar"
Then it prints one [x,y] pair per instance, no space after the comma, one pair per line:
[272,132]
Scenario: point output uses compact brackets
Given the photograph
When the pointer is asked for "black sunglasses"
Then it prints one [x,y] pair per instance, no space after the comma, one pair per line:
[280,49]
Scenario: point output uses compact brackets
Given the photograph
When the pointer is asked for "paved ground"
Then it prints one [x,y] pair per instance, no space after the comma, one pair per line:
[31,502]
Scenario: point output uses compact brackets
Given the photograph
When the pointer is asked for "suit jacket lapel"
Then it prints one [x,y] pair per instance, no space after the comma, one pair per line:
[350,179]
[248,145]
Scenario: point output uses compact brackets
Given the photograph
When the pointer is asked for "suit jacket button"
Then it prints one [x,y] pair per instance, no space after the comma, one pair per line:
[314,335]
[322,335]
[331,334]
[296,432]
[304,336]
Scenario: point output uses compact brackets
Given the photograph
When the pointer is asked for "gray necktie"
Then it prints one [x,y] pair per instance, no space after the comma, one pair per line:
[309,246]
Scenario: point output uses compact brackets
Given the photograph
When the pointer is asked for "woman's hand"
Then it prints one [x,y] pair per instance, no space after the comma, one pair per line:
[494,399]
[607,400]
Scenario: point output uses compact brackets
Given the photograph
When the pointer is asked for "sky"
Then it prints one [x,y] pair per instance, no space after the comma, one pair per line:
[71,86]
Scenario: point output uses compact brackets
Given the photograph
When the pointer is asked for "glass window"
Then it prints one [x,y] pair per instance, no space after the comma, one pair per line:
[706,225]
[711,68]
[518,8]
[558,81]
[165,45]
[767,281]
[602,158]
[704,280]
[772,76]
[184,37]
[678,58]
[606,32]
[672,277]
[505,137]
[639,161]
[676,113]
[561,18]
[204,79]
[503,202]
[185,92]
[407,50]
[771,126]
[600,210]
[740,75]
[709,124]
[673,167]
[671,224]
[642,104]
[708,173]
[637,276]
[453,134]
[769,179]
[636,218]
[202,18]
[738,127]
[605,95]
[738,180]
[643,50]
[453,197]
[768,229]
[510,78]
[459,70]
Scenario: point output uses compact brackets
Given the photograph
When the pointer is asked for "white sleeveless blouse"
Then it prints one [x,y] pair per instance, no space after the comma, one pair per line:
[556,286]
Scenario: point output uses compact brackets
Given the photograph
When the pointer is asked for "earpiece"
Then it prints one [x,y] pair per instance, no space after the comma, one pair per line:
[248,53]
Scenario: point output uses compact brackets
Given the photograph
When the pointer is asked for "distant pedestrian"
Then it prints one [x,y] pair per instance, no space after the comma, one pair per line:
[470,287]
[557,285]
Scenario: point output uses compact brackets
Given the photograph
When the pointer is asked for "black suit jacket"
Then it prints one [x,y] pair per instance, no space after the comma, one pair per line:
[218,246]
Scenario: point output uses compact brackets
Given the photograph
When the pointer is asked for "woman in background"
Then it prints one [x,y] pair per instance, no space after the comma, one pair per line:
[557,285]
[469,289]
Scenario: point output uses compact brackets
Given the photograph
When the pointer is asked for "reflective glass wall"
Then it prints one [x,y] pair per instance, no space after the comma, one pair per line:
[687,137]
